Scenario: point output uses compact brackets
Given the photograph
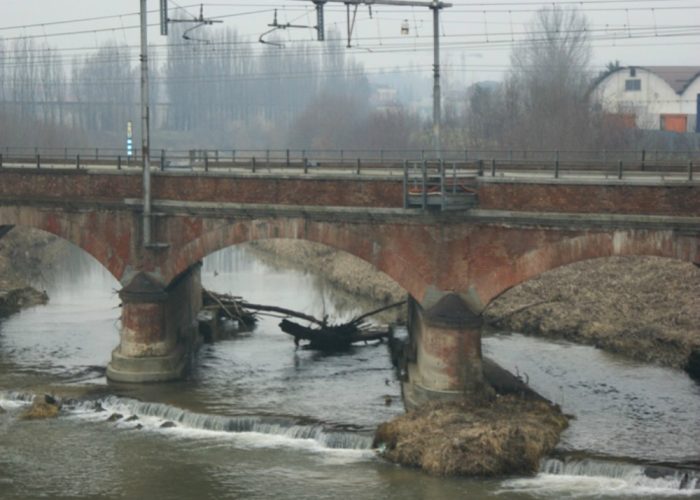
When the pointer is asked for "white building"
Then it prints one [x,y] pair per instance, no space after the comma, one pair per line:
[653,97]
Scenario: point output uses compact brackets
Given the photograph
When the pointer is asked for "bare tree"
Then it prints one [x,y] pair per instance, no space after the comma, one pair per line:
[547,95]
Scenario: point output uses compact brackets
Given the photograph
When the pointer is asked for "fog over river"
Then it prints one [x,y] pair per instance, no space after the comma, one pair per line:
[258,418]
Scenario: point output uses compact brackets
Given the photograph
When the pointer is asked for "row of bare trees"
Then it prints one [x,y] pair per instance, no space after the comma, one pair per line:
[215,94]
[227,93]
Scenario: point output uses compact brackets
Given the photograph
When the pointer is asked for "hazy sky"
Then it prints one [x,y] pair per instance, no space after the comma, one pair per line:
[477,35]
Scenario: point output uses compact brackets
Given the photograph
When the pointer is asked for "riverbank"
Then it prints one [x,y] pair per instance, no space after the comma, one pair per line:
[25,257]
[15,297]
[644,308]
[342,270]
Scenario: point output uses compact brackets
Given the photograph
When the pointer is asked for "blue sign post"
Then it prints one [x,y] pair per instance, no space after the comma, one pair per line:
[129,142]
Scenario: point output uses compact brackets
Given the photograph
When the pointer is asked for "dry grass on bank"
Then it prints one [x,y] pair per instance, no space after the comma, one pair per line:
[645,308]
[14,297]
[508,435]
[345,271]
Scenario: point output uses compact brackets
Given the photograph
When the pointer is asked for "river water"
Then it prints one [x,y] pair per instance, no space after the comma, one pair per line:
[258,418]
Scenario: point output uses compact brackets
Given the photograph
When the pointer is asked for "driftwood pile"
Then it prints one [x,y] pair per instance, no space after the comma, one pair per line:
[322,335]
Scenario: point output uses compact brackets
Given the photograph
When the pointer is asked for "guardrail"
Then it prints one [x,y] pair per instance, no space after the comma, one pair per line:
[643,156]
[615,164]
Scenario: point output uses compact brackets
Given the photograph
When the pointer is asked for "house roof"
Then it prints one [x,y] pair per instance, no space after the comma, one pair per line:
[678,77]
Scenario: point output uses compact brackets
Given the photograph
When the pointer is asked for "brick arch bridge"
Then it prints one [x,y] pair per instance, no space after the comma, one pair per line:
[452,264]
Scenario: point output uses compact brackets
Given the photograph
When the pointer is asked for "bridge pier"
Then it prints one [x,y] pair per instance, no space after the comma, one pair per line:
[443,359]
[159,328]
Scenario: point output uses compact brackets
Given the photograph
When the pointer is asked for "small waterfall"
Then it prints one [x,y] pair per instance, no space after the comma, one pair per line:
[591,478]
[15,398]
[635,475]
[278,426]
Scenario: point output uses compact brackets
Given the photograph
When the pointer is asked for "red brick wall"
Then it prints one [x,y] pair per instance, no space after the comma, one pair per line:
[68,184]
[62,184]
[350,192]
[679,200]
[621,199]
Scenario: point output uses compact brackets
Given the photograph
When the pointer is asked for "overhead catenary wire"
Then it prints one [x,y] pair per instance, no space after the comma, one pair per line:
[271,9]
[595,35]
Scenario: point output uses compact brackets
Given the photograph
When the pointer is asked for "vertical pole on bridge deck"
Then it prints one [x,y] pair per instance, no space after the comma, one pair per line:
[437,101]
[253,164]
[442,184]
[556,165]
[287,158]
[619,170]
[690,170]
[38,161]
[359,166]
[644,157]
[267,158]
[480,171]
[77,162]
[0,160]
[405,184]
[162,159]
[145,119]
[306,165]
[493,167]
[119,162]
[454,177]
[424,200]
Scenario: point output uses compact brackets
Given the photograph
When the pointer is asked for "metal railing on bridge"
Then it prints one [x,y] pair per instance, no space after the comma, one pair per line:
[494,163]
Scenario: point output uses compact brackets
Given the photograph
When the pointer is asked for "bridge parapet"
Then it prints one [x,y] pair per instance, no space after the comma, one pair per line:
[516,194]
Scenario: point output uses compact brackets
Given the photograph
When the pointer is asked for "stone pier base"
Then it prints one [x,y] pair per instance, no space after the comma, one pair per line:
[443,359]
[159,328]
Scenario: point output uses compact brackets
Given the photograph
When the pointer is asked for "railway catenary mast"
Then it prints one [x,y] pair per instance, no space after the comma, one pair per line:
[435,6]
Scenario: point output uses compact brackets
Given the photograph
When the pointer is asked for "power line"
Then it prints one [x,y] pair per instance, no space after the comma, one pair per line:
[268,10]
[203,52]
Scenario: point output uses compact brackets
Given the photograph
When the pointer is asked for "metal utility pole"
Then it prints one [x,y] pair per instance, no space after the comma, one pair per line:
[436,6]
[437,101]
[145,128]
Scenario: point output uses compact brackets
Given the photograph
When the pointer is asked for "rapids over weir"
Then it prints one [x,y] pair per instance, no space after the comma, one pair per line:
[258,418]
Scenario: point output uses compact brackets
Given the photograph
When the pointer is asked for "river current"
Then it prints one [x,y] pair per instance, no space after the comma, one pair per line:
[258,418]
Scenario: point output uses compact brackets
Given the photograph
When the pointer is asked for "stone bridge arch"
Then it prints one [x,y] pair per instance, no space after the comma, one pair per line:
[569,249]
[106,236]
[373,244]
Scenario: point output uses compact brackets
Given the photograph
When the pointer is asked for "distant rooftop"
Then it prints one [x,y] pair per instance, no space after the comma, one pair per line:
[678,77]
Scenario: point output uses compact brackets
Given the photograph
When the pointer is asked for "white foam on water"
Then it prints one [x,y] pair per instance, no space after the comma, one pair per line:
[555,486]
[598,478]
[246,432]
[10,400]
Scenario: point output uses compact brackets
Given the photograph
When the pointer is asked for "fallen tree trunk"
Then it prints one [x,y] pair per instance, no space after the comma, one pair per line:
[322,336]
[282,310]
[332,338]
